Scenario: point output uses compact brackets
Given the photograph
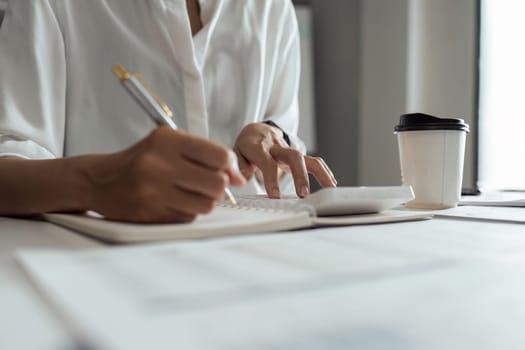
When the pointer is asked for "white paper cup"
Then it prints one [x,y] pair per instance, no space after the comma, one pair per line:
[431,153]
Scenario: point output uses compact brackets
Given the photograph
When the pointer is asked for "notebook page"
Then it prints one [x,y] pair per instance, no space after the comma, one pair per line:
[288,203]
[222,221]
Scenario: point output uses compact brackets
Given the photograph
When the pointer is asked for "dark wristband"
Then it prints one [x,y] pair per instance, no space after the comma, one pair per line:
[285,135]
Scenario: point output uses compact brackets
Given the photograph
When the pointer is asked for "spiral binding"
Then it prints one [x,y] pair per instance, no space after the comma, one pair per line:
[269,205]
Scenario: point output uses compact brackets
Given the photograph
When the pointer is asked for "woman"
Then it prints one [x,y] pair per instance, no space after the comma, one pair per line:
[72,139]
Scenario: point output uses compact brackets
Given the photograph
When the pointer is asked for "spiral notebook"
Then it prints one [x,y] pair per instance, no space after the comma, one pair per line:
[256,214]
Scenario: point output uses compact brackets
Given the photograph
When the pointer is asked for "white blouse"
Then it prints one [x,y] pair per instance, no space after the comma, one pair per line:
[58,96]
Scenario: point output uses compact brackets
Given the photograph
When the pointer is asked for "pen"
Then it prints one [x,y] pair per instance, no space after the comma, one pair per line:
[152,104]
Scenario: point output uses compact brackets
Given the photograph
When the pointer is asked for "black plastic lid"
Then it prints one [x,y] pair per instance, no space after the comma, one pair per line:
[421,121]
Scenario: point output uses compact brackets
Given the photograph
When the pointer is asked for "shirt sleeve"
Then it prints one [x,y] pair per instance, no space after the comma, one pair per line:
[32,81]
[283,106]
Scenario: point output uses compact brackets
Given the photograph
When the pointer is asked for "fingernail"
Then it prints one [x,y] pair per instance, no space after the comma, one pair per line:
[304,191]
[274,192]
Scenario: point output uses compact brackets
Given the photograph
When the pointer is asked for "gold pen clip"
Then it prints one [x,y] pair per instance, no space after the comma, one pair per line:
[123,74]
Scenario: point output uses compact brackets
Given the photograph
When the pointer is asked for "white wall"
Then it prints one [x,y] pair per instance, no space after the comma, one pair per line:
[443,65]
[306,87]
[383,89]
[416,55]
[336,52]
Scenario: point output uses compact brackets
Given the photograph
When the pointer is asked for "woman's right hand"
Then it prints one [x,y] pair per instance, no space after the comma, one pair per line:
[169,176]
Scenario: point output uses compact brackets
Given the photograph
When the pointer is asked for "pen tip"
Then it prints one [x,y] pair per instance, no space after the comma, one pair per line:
[230,196]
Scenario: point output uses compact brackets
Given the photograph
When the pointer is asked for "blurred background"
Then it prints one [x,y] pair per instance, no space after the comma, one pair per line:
[365,62]
[3,5]
[376,59]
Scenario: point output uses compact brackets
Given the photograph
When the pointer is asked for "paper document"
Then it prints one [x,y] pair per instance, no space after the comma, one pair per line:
[501,214]
[162,297]
[496,199]
[392,287]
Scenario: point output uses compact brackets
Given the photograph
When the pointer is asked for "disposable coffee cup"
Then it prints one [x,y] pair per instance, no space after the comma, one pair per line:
[431,153]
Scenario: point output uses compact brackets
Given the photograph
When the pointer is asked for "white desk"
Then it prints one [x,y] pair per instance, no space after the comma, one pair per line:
[473,282]
[25,320]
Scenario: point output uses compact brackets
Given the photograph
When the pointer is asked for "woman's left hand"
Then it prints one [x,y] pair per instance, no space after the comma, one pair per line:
[261,146]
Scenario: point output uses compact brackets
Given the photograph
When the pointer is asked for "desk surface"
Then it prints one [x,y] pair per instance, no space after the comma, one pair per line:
[25,320]
[491,254]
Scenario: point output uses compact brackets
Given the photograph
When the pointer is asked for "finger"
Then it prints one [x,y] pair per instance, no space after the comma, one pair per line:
[294,159]
[261,158]
[327,168]
[199,179]
[190,202]
[259,176]
[322,173]
[235,178]
[169,143]
[318,168]
[269,172]
[210,155]
[203,151]
[246,168]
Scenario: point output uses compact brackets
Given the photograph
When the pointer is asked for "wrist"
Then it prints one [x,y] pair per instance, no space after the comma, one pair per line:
[286,137]
[80,188]
[31,187]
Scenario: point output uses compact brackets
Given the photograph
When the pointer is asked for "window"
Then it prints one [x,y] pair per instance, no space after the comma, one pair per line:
[502,95]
